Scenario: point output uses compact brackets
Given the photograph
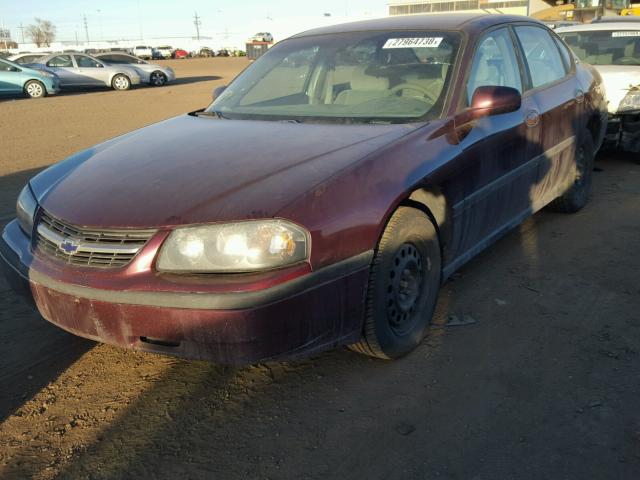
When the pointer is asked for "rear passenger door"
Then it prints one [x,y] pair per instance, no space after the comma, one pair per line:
[555,97]
[91,71]
[63,67]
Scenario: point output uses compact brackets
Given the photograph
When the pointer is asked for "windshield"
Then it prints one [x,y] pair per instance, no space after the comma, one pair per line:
[605,47]
[351,77]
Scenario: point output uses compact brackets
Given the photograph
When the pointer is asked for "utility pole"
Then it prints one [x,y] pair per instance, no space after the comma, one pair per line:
[197,23]
[21,31]
[86,27]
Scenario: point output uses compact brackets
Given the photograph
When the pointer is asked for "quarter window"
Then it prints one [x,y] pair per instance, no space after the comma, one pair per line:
[494,64]
[542,56]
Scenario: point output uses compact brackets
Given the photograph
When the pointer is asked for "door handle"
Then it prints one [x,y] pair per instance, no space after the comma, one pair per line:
[579,96]
[532,118]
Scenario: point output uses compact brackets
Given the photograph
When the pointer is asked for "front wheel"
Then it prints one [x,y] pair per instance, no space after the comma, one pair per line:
[403,286]
[157,79]
[35,89]
[120,82]
[577,196]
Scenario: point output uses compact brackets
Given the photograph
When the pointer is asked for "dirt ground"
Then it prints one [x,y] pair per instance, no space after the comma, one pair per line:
[543,382]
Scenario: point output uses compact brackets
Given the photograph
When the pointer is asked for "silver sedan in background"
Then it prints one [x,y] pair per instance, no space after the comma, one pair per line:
[155,75]
[81,70]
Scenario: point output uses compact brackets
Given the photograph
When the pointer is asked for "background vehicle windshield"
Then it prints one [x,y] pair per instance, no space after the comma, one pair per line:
[350,77]
[605,47]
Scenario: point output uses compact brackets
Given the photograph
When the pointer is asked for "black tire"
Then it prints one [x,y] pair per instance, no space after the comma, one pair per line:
[35,89]
[578,195]
[120,82]
[157,79]
[403,286]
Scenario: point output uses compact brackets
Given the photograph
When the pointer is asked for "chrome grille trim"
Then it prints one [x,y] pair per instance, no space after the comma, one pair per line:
[88,247]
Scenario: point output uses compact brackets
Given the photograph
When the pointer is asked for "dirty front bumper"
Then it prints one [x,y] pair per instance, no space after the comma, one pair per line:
[623,131]
[311,313]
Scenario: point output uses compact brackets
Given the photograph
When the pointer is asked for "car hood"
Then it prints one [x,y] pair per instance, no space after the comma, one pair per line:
[618,80]
[189,170]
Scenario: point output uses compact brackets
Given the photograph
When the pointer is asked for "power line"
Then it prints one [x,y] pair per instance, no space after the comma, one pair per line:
[197,23]
[86,27]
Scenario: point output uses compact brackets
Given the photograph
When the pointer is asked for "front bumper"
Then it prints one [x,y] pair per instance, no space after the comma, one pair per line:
[315,312]
[623,131]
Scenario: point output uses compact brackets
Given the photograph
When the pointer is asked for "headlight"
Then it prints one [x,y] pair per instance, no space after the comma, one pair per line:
[630,102]
[47,74]
[236,247]
[26,209]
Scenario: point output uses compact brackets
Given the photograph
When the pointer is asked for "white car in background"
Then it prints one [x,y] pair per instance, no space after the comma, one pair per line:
[164,51]
[143,51]
[26,58]
[613,48]
[155,75]
[262,37]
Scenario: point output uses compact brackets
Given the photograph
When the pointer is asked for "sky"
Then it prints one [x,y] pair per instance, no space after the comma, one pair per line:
[131,19]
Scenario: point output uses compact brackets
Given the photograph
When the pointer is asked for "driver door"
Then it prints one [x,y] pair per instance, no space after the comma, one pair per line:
[497,176]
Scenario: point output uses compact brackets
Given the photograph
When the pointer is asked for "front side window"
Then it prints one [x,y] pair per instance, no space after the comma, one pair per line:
[494,64]
[351,77]
[86,62]
[60,61]
[542,56]
[605,47]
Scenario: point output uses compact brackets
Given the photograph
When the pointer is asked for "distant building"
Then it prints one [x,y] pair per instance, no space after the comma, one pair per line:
[5,39]
[411,7]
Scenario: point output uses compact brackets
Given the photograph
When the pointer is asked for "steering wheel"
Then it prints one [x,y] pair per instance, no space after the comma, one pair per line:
[626,61]
[415,87]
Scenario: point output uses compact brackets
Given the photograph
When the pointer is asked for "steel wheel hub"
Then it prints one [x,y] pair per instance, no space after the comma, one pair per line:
[404,287]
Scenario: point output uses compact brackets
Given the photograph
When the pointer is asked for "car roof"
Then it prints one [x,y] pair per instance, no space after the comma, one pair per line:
[592,27]
[449,21]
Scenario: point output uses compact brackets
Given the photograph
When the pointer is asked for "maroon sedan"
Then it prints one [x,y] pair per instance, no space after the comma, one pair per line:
[320,200]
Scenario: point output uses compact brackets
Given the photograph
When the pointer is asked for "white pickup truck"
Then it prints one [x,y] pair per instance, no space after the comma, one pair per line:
[143,51]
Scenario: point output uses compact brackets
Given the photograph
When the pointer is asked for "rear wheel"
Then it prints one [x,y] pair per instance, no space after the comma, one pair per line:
[121,82]
[403,286]
[578,195]
[157,79]
[35,89]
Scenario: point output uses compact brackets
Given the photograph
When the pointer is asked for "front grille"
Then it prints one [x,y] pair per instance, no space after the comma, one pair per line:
[88,247]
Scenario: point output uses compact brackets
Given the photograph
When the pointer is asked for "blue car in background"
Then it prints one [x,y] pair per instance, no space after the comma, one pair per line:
[21,80]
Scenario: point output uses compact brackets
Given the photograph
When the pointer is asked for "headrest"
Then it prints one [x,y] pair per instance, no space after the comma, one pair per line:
[361,81]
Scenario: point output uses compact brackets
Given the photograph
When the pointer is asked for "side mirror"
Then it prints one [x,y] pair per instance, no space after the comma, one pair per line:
[99,65]
[218,91]
[494,100]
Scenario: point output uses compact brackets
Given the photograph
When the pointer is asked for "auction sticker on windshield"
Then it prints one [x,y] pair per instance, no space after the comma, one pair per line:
[625,34]
[422,42]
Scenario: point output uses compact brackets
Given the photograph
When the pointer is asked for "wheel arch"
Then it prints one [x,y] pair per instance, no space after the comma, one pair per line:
[432,201]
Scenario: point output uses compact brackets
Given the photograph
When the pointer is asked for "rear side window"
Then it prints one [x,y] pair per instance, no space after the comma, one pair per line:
[542,56]
[494,64]
[60,61]
[86,62]
[5,67]
[118,59]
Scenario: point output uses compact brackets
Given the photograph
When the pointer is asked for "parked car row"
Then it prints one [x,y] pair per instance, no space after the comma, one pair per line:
[37,76]
[402,148]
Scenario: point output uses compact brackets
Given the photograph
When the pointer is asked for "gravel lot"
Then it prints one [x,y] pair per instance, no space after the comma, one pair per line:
[543,381]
